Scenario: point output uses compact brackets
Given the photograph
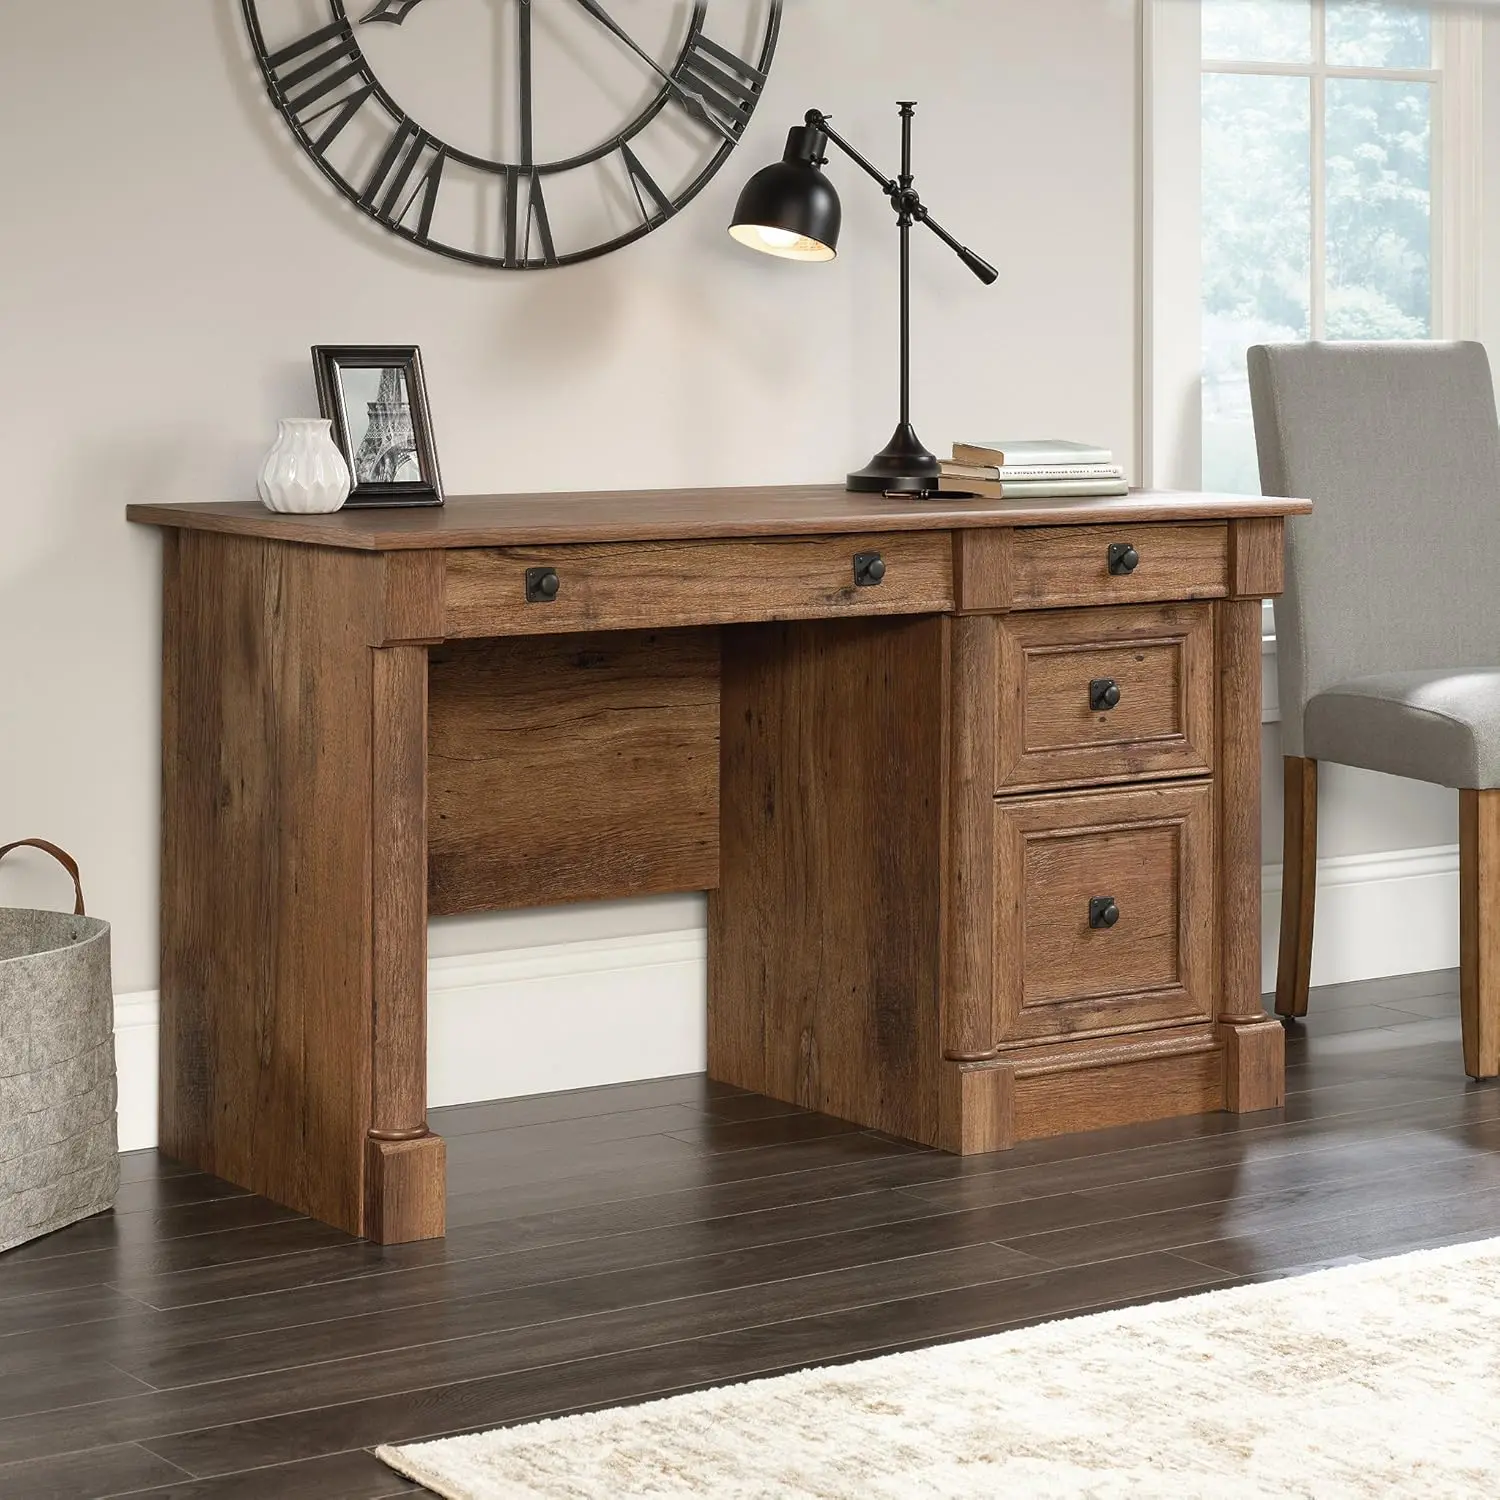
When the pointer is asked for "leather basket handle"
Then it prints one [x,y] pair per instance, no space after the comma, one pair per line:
[63,858]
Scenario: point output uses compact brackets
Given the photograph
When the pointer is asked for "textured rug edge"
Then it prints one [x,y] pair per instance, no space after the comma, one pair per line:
[408,1468]
[407,1458]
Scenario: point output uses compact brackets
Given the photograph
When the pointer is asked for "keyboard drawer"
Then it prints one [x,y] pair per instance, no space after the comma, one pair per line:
[497,591]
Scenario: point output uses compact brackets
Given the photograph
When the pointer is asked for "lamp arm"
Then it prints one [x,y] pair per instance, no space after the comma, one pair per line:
[819,121]
[904,199]
[976,263]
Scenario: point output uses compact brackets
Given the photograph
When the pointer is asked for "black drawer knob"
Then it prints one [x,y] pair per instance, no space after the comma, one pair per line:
[1104,694]
[1123,558]
[542,585]
[1103,912]
[869,569]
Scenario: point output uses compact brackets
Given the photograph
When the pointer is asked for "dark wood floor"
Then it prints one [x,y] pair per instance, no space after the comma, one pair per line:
[621,1243]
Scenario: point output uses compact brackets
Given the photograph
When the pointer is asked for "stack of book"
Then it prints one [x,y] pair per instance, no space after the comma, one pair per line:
[1032,470]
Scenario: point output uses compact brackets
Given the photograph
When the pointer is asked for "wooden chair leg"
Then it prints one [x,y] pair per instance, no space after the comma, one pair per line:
[1479,930]
[1299,883]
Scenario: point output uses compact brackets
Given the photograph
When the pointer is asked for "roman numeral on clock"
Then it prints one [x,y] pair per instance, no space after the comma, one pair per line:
[725,82]
[312,76]
[520,222]
[645,186]
[410,168]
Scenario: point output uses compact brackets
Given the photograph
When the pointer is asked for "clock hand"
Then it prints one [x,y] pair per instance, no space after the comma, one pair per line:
[528,156]
[692,102]
[394,11]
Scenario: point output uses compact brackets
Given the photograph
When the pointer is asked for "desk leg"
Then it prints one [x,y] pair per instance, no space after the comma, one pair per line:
[405,1182]
[1254,1045]
[293,984]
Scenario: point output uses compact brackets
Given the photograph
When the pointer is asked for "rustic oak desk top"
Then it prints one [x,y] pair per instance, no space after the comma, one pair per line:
[690,514]
[979,825]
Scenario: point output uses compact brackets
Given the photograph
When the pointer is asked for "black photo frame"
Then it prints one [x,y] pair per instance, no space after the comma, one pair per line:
[386,440]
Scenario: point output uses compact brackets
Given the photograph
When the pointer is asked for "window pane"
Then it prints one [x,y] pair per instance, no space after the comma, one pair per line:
[1379,209]
[1257,235]
[1258,30]
[1371,34]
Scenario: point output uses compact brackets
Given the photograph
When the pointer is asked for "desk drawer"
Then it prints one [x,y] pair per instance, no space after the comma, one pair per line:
[1089,696]
[657,585]
[1064,865]
[1055,567]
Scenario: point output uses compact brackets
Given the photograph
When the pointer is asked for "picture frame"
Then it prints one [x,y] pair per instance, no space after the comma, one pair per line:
[376,398]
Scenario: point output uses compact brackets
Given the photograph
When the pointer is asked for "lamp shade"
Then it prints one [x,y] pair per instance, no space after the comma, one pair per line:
[791,209]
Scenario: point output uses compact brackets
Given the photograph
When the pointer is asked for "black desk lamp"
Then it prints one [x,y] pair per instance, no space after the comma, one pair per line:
[792,210]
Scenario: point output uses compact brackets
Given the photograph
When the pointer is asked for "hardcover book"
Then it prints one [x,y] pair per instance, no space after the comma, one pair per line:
[1032,453]
[1040,489]
[953,470]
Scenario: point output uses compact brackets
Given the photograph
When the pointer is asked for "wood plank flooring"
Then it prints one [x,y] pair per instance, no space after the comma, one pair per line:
[623,1243]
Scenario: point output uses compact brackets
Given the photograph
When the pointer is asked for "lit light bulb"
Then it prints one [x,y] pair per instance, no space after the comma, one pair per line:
[786,243]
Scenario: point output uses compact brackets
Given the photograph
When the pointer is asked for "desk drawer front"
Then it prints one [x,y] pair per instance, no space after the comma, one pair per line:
[1099,695]
[1105,911]
[657,585]
[1057,567]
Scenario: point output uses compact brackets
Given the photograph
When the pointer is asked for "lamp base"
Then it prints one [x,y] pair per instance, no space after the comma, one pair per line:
[903,466]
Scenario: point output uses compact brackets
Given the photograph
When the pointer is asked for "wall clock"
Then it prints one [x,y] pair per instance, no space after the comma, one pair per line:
[518,134]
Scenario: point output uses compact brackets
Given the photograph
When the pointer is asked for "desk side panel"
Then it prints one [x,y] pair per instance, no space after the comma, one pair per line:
[266,867]
[825,934]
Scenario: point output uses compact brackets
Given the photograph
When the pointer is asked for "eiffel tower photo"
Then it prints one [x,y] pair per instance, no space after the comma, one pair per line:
[388,452]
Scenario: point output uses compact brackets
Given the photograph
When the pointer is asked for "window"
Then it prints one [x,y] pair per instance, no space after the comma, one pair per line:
[1317,191]
[1328,191]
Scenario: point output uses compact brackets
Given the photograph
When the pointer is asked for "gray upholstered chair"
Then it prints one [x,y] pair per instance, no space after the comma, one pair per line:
[1389,631]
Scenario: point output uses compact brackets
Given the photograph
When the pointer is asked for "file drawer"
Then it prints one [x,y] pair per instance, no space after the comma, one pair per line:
[1105,911]
[1103,695]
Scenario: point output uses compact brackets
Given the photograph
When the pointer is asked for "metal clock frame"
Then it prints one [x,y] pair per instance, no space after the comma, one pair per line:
[512,172]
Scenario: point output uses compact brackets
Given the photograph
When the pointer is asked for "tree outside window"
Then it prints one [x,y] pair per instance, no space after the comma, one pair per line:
[1318,188]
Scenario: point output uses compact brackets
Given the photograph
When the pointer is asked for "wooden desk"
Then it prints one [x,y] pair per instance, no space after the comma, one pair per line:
[909,797]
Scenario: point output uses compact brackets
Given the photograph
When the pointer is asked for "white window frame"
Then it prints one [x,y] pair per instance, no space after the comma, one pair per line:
[1172,65]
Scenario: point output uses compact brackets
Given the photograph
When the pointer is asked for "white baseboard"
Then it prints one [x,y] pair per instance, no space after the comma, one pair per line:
[137,1022]
[1376,914]
[528,1020]
[567,1016]
[572,1015]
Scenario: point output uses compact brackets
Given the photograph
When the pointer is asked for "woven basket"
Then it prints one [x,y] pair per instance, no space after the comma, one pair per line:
[59,1156]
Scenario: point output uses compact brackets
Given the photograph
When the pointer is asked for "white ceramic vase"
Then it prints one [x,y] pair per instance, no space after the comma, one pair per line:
[304,474]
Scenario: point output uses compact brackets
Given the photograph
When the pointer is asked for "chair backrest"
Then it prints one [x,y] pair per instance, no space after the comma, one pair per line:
[1398,567]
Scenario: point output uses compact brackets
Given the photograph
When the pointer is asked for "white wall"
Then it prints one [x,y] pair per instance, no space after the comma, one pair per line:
[167,256]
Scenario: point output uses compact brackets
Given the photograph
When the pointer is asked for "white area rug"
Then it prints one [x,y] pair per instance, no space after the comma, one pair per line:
[1369,1381]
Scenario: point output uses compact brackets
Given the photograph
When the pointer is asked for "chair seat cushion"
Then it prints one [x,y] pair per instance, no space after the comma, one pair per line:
[1432,726]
